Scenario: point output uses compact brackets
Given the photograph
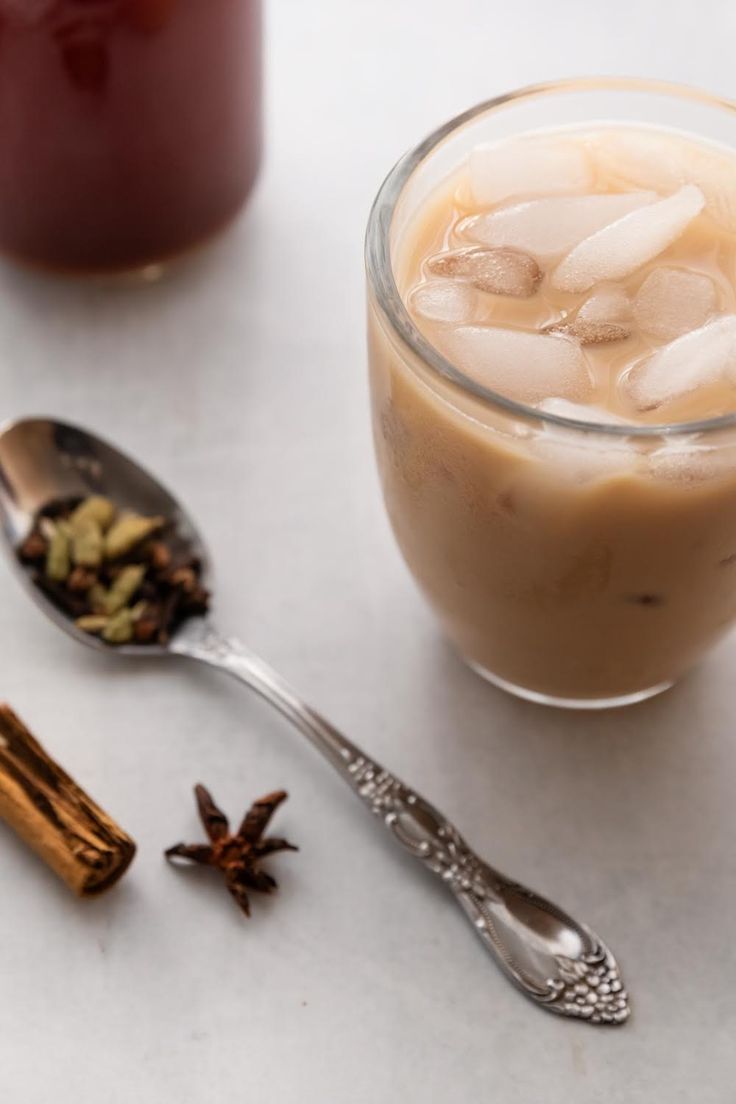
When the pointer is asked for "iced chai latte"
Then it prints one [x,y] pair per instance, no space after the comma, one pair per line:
[578,540]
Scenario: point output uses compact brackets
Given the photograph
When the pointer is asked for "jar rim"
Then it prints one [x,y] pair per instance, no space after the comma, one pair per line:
[382,281]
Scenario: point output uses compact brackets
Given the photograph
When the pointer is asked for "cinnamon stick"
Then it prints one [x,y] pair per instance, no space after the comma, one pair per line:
[68,830]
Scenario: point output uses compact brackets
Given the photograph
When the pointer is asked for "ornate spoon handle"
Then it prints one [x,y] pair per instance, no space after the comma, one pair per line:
[552,958]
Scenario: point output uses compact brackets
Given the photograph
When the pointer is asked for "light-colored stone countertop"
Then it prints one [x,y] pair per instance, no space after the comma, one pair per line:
[241,381]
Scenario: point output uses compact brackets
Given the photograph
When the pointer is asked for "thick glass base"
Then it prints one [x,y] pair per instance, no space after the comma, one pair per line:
[568,703]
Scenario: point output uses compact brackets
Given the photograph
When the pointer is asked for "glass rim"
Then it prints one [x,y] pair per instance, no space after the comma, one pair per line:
[382,280]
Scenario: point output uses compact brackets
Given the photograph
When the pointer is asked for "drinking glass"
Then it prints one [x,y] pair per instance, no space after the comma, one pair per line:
[588,583]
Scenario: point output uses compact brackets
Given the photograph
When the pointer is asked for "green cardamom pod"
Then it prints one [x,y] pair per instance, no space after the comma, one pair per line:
[124,587]
[97,598]
[127,532]
[58,557]
[92,623]
[119,629]
[87,542]
[95,508]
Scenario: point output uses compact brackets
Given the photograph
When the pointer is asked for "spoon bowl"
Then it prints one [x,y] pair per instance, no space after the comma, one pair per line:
[41,461]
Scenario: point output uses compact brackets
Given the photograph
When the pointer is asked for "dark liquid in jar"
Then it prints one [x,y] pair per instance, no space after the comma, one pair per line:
[129,129]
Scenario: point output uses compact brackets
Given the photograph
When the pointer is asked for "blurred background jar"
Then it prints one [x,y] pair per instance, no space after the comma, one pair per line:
[130,130]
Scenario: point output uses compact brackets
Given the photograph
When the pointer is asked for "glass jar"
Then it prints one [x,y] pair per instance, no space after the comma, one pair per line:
[130,130]
[571,563]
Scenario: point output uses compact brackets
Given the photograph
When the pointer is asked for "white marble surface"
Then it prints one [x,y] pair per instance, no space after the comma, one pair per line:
[241,380]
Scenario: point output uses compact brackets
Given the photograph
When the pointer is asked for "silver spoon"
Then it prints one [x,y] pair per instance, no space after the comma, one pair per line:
[555,960]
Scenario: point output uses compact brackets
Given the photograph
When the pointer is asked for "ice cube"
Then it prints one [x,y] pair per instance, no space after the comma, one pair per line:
[715,175]
[549,228]
[526,167]
[623,246]
[604,316]
[590,333]
[524,366]
[579,412]
[498,271]
[672,301]
[686,458]
[578,455]
[697,359]
[583,459]
[651,160]
[445,301]
[646,159]
[608,303]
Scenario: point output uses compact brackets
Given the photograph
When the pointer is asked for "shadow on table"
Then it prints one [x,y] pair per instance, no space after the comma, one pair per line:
[641,792]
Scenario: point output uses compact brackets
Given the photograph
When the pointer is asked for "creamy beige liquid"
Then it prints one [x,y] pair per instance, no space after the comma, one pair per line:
[570,564]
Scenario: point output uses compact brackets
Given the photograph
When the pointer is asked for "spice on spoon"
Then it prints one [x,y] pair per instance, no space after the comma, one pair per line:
[237,856]
[119,575]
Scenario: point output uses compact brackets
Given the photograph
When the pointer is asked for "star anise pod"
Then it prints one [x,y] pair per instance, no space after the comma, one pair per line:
[237,856]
